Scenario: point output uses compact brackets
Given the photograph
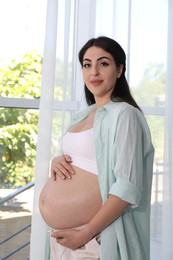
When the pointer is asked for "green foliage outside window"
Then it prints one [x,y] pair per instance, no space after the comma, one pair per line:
[18,127]
[22,78]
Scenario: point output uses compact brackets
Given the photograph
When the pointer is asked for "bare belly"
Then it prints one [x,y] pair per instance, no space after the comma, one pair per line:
[70,203]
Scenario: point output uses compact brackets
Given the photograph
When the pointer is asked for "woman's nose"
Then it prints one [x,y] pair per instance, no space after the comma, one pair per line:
[94,70]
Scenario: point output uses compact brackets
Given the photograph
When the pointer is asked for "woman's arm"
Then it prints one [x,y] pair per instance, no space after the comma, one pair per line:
[108,213]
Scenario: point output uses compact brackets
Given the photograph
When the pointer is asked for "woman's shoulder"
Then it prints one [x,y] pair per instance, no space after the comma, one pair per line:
[123,107]
[126,112]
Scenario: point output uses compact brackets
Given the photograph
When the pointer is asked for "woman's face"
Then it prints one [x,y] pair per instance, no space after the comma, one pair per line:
[100,73]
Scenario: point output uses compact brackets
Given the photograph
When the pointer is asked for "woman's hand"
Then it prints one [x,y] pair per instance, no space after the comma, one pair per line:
[60,166]
[72,238]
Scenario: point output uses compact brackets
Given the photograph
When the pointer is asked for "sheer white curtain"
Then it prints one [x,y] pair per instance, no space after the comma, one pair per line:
[167,223]
[39,229]
[70,23]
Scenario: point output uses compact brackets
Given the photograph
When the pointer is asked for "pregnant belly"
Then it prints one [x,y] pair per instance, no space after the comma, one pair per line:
[70,203]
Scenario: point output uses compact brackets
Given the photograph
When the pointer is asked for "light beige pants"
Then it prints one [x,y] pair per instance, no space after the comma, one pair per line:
[90,251]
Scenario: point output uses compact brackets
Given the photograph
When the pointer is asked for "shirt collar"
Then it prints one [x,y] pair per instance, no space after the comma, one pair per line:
[84,113]
[108,106]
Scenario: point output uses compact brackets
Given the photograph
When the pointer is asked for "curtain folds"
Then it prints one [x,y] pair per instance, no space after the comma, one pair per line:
[39,228]
[167,213]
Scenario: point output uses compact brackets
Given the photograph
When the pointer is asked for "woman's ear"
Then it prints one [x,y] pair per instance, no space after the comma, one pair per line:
[120,70]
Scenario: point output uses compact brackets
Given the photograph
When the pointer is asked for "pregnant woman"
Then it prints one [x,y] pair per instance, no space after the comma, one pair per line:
[97,201]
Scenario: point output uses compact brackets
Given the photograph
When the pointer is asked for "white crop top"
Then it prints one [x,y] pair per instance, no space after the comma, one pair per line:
[80,147]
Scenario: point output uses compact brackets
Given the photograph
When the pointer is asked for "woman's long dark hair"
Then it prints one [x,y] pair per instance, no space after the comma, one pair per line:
[121,90]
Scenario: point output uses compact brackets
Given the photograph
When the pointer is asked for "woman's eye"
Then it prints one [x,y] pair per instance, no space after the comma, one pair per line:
[104,64]
[86,65]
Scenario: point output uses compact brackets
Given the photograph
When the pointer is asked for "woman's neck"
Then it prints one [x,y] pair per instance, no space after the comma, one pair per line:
[101,103]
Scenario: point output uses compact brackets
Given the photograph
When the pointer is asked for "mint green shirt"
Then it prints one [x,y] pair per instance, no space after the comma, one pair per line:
[124,156]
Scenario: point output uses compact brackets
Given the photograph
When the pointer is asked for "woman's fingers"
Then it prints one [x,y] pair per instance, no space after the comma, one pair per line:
[61,166]
[67,158]
[53,175]
[64,171]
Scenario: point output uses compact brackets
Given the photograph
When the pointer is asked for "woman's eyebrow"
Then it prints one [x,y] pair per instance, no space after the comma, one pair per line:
[103,57]
[86,60]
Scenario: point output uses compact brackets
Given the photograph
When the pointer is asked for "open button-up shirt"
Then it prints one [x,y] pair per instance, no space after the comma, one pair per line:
[124,156]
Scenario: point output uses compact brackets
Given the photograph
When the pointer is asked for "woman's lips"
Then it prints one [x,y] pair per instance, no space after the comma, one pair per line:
[96,82]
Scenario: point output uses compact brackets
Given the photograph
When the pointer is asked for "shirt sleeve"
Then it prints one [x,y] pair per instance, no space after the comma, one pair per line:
[128,158]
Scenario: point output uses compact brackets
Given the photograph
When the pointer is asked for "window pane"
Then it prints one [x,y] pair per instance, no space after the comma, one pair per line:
[22,78]
[22,28]
[15,215]
[156,124]
[18,138]
[148,50]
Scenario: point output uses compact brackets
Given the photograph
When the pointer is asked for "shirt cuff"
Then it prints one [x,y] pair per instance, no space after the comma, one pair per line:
[126,191]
